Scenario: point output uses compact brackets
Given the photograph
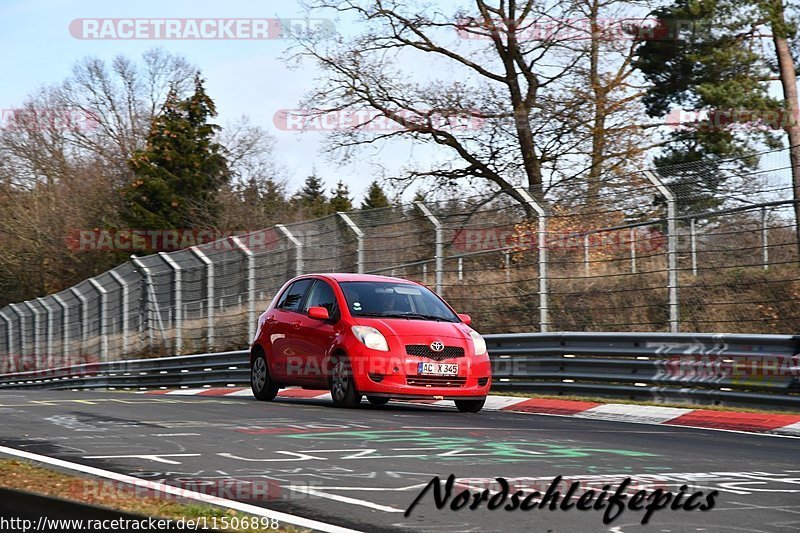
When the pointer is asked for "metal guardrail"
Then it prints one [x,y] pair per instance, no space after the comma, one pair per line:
[758,370]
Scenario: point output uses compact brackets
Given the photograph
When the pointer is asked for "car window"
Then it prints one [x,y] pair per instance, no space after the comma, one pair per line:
[321,295]
[370,298]
[291,298]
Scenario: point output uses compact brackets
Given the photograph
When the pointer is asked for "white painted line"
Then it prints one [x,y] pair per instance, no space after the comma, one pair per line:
[186,392]
[791,429]
[345,499]
[625,413]
[496,403]
[240,393]
[177,491]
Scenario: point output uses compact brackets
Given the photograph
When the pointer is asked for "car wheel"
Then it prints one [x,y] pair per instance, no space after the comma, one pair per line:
[263,387]
[377,400]
[470,406]
[343,387]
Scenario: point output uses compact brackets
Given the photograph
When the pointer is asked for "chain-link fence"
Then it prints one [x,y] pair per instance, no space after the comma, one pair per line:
[701,247]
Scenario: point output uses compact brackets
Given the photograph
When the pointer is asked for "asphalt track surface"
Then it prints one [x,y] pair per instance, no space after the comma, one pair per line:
[362,468]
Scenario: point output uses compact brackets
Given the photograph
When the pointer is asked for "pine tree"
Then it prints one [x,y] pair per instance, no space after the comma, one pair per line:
[375,197]
[178,174]
[311,198]
[341,200]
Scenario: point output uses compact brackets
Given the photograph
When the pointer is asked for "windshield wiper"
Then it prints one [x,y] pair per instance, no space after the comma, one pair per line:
[417,316]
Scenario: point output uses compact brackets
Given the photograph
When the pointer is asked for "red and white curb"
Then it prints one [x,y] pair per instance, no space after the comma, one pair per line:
[774,424]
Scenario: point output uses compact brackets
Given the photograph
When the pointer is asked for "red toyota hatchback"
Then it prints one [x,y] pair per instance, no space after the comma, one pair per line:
[377,336]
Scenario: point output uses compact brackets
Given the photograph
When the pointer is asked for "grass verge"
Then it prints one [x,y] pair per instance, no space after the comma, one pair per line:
[23,475]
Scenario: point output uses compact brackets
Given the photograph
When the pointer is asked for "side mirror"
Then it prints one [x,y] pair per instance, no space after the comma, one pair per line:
[466,319]
[320,313]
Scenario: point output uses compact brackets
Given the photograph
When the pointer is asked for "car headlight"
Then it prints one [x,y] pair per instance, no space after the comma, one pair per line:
[478,342]
[371,338]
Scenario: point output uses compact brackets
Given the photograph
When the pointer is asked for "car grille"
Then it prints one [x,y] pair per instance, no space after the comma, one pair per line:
[423,350]
[436,381]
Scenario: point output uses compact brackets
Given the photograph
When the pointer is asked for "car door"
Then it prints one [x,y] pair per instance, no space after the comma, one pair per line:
[282,323]
[313,338]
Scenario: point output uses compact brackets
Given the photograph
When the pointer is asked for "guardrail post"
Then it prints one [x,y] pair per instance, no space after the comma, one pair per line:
[439,254]
[123,329]
[359,240]
[84,319]
[764,238]
[36,347]
[298,248]
[103,318]
[672,248]
[210,293]
[9,336]
[251,286]
[49,330]
[544,310]
[178,299]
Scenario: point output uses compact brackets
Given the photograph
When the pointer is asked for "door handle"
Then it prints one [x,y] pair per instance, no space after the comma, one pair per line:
[270,319]
[296,325]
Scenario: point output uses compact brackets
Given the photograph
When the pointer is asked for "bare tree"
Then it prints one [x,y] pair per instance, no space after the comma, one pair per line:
[498,95]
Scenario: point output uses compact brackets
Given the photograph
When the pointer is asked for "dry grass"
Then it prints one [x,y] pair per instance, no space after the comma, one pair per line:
[22,475]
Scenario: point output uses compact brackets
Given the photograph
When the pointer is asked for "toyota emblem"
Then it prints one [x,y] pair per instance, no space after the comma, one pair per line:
[437,346]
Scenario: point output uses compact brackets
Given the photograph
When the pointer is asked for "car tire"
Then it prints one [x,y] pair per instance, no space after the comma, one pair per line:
[377,400]
[470,406]
[261,383]
[343,387]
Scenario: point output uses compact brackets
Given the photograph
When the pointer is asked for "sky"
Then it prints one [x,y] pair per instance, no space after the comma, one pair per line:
[244,77]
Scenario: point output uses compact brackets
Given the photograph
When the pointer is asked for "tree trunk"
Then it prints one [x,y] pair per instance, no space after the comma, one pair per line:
[791,125]
[594,184]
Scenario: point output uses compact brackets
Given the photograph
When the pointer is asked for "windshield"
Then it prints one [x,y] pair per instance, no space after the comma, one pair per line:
[395,300]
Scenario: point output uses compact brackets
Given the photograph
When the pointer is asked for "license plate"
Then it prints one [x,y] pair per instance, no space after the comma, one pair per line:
[438,369]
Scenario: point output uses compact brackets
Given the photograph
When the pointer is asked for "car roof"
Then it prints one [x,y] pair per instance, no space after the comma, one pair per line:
[343,276]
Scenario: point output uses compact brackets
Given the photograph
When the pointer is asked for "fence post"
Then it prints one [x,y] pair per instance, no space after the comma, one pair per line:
[64,325]
[123,329]
[84,319]
[178,299]
[544,309]
[36,339]
[210,292]
[9,336]
[693,244]
[586,255]
[633,250]
[298,248]
[21,328]
[150,293]
[672,248]
[764,238]
[49,331]
[359,240]
[103,318]
[251,286]
[439,254]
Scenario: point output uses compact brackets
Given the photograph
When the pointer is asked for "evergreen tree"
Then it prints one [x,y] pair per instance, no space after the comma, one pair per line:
[375,197]
[178,174]
[341,200]
[311,198]
[705,62]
